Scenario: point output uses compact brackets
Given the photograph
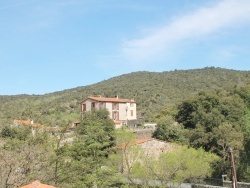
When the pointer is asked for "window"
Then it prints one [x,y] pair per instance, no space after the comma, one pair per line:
[115,116]
[131,104]
[102,105]
[84,107]
[131,113]
[115,106]
[92,105]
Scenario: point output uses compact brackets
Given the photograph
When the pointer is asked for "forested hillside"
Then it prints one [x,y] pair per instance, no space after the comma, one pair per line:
[211,106]
[151,90]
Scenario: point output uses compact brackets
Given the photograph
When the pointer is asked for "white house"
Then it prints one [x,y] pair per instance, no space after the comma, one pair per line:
[120,110]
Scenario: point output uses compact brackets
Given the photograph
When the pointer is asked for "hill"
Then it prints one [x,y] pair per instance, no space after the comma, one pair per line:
[151,90]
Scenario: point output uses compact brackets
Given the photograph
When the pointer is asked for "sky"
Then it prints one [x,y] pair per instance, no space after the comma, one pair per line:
[52,45]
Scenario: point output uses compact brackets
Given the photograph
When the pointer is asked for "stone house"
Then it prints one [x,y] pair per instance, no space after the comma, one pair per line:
[35,126]
[122,111]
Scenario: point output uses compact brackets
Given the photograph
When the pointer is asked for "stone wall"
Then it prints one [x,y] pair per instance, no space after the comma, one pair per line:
[203,186]
[141,134]
[225,184]
[240,184]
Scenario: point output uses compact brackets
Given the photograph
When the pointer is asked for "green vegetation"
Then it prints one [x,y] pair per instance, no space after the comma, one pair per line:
[152,91]
[214,120]
[91,160]
[208,110]
[26,155]
[174,167]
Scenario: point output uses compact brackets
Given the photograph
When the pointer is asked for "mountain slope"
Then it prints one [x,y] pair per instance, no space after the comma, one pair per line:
[151,90]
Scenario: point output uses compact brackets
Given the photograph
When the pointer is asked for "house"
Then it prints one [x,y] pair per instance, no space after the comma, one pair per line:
[30,123]
[37,184]
[122,111]
[34,126]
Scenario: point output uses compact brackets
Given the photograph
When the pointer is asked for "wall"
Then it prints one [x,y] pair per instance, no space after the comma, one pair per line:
[131,106]
[225,184]
[203,186]
[109,108]
[240,184]
[155,147]
[122,111]
[140,134]
[88,104]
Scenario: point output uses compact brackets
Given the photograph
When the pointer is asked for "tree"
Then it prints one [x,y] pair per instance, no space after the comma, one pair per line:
[59,161]
[174,167]
[214,122]
[244,172]
[90,150]
[169,131]
[207,111]
[96,134]
[144,167]
[24,157]
[228,137]
[127,153]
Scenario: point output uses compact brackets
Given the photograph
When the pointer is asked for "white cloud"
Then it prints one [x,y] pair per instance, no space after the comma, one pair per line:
[206,20]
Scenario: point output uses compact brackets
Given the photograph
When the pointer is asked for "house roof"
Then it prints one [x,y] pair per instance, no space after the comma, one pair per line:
[29,123]
[134,142]
[140,141]
[37,184]
[117,121]
[104,99]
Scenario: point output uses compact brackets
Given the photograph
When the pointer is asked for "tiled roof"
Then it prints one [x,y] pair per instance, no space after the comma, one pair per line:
[104,99]
[118,122]
[134,142]
[29,123]
[140,141]
[37,184]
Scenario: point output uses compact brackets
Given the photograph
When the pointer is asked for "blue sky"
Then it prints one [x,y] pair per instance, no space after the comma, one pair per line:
[52,45]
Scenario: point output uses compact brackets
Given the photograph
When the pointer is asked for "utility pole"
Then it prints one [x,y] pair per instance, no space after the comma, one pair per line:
[233,171]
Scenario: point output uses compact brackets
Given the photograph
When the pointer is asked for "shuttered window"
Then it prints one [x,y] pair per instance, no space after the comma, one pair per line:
[115,115]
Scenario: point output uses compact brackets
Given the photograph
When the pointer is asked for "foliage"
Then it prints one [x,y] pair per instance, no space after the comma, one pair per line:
[90,150]
[206,112]
[152,91]
[169,131]
[244,167]
[27,155]
[24,158]
[174,167]
[166,169]
[213,120]
[97,134]
[210,114]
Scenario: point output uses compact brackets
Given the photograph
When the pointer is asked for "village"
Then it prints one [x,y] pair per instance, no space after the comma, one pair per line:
[124,114]
[122,111]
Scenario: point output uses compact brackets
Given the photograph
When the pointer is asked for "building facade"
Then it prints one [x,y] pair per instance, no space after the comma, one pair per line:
[120,110]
